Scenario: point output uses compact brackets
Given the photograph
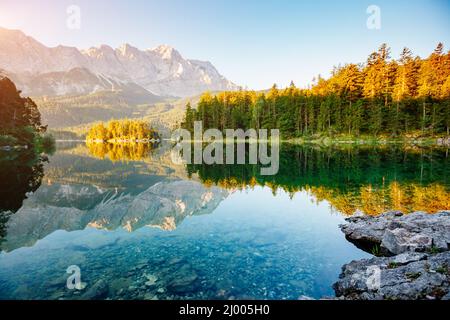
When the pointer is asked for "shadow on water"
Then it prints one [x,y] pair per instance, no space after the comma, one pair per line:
[21,173]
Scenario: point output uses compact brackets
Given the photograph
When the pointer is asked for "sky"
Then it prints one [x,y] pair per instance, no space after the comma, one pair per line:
[254,43]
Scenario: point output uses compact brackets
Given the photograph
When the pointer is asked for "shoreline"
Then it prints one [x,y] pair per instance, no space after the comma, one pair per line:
[13,148]
[327,142]
[438,142]
[429,141]
[120,141]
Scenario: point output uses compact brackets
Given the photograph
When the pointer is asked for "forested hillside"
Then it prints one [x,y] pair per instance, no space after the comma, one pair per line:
[407,96]
[68,111]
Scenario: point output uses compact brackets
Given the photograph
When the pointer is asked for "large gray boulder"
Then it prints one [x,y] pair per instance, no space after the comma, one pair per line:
[397,233]
[408,276]
[416,263]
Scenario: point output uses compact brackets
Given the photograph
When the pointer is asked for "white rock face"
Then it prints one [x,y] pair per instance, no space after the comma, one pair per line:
[162,70]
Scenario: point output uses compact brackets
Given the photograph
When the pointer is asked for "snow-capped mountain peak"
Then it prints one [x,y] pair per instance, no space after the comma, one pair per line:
[162,70]
[167,52]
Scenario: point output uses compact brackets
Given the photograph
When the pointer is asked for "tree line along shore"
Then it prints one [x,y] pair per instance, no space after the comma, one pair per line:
[380,100]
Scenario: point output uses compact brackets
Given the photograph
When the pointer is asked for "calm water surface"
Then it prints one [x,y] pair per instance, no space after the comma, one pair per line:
[140,227]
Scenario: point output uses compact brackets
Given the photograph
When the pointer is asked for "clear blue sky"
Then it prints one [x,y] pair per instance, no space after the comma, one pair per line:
[254,43]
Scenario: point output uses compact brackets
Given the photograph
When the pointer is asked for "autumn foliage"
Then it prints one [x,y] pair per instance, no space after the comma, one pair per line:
[122,131]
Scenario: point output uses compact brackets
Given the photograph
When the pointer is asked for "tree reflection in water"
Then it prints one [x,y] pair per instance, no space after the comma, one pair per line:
[21,173]
[121,151]
[369,179]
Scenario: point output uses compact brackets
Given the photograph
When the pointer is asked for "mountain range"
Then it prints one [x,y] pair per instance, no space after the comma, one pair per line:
[39,70]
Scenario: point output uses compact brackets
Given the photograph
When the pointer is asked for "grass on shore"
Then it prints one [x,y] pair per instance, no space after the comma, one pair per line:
[412,139]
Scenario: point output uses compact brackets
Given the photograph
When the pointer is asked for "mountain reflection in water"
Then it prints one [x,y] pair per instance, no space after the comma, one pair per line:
[146,228]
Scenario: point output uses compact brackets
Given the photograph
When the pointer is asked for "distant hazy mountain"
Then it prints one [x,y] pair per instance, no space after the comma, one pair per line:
[39,70]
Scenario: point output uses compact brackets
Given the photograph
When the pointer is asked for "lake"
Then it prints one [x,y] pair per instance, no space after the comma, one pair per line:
[137,226]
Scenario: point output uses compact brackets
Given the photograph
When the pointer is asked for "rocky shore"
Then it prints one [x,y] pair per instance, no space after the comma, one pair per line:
[412,257]
[11,148]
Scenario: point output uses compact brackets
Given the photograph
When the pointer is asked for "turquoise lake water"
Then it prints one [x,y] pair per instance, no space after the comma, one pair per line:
[149,229]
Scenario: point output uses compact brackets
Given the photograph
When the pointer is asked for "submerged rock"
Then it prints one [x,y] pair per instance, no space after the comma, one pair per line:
[151,280]
[416,263]
[184,281]
[98,291]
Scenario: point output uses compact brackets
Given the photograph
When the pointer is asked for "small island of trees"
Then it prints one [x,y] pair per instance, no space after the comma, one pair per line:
[122,131]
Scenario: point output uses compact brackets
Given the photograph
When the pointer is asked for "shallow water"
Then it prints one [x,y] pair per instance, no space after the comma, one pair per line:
[149,229]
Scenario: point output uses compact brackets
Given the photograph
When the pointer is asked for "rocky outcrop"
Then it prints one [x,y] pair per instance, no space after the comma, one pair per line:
[396,233]
[407,276]
[416,262]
